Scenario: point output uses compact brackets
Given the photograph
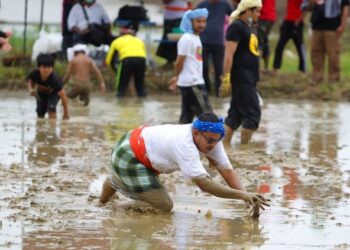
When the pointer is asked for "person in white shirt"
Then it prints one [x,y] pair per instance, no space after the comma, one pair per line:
[83,15]
[145,152]
[189,66]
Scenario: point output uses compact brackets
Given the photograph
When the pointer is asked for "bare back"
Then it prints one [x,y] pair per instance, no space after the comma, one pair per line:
[81,68]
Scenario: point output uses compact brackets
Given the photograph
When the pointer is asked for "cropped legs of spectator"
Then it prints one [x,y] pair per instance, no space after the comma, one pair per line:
[328,20]
[292,28]
[265,23]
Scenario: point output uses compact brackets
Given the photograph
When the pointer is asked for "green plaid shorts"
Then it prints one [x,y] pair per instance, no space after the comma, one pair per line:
[135,176]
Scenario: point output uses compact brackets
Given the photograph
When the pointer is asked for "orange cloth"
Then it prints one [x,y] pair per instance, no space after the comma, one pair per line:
[137,144]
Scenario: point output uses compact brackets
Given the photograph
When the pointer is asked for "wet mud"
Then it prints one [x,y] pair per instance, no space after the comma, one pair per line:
[52,172]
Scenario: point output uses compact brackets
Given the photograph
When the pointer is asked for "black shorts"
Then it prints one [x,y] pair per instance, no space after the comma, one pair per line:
[195,101]
[46,103]
[244,108]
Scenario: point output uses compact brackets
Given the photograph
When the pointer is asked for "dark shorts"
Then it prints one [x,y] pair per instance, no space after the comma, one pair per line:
[264,29]
[195,101]
[244,108]
[46,104]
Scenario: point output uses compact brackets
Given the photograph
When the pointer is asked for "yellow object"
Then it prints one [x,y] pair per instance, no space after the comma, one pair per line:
[254,44]
[126,46]
[244,5]
[225,88]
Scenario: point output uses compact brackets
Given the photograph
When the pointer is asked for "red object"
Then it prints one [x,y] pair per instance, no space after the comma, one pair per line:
[265,168]
[264,188]
[293,10]
[268,10]
[175,8]
[137,144]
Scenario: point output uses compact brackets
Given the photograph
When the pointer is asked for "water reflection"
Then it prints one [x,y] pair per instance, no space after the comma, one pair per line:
[300,157]
[183,231]
[45,147]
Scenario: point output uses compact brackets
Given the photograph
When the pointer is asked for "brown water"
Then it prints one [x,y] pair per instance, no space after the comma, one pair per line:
[51,176]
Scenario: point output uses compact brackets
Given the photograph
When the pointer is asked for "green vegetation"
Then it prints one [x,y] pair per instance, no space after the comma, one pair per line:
[289,83]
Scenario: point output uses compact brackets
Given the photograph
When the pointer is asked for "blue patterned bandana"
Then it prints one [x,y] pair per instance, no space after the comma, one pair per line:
[213,127]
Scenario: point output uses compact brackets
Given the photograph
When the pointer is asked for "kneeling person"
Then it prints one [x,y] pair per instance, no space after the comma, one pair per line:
[80,68]
[145,152]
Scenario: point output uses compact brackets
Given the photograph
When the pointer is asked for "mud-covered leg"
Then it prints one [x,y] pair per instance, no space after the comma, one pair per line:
[107,191]
[157,198]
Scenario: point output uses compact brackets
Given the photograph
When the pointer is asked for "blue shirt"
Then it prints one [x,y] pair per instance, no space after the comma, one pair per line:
[214,31]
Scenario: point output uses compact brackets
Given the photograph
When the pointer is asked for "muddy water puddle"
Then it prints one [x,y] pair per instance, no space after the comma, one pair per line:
[51,176]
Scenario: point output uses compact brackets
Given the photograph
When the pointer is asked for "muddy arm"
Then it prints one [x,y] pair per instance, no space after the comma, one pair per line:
[209,186]
[64,99]
[230,175]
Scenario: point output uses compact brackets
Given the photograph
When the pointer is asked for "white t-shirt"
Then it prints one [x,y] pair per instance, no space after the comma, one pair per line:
[95,12]
[171,147]
[190,46]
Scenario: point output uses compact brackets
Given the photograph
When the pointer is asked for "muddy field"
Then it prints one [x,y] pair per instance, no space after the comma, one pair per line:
[51,176]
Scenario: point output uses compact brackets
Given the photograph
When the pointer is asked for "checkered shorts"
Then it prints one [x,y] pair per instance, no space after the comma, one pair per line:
[135,176]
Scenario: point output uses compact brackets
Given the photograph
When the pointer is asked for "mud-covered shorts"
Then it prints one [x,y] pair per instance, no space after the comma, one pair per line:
[81,89]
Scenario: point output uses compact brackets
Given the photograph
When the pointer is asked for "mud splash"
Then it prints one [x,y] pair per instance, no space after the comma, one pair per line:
[51,175]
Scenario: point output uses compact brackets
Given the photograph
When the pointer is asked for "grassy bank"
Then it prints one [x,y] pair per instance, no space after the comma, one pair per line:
[287,84]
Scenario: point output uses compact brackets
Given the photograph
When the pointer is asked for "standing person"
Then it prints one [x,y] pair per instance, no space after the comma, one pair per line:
[189,66]
[47,87]
[292,28]
[145,152]
[80,68]
[131,53]
[328,20]
[67,35]
[173,12]
[266,21]
[241,72]
[212,39]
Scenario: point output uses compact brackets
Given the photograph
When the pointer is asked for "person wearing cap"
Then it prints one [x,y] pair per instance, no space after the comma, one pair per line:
[47,87]
[80,68]
[241,71]
[131,53]
[141,155]
[189,66]
[266,20]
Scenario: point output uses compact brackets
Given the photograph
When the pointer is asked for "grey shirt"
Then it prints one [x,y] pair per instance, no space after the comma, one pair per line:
[95,12]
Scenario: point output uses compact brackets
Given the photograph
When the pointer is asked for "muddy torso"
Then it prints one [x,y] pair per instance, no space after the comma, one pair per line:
[81,68]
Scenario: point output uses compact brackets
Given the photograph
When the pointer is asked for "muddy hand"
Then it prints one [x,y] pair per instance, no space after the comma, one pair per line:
[259,203]
[254,199]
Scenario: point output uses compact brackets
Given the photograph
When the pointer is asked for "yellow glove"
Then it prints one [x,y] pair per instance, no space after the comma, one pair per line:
[225,88]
